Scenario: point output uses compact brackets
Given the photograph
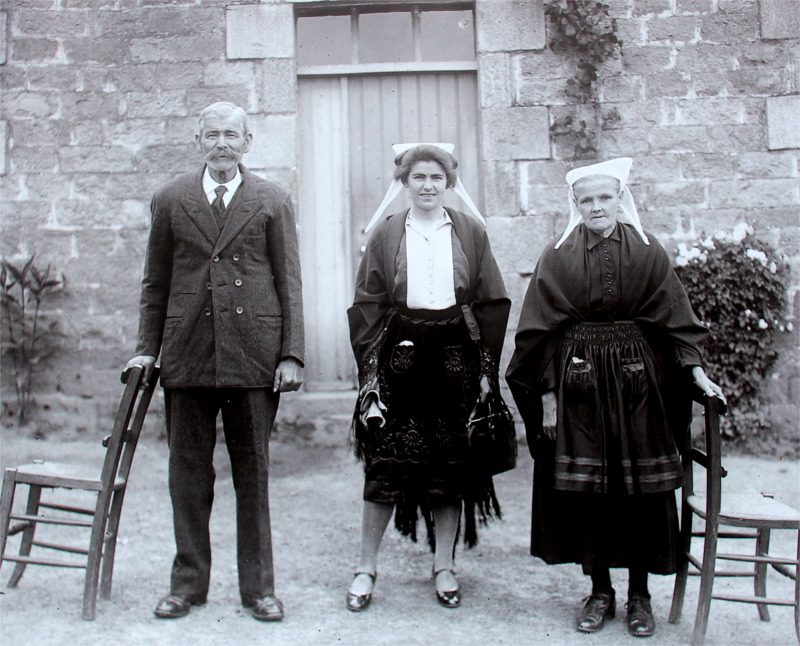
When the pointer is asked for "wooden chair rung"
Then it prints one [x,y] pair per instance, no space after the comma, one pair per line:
[32,560]
[785,571]
[754,558]
[52,520]
[75,510]
[62,548]
[770,601]
[16,528]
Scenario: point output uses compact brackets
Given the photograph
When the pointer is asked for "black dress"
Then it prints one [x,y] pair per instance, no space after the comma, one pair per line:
[606,325]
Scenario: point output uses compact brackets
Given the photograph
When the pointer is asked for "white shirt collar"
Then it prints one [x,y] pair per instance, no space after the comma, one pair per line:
[424,227]
[209,184]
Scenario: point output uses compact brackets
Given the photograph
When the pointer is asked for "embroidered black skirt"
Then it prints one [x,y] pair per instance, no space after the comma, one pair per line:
[604,490]
[428,379]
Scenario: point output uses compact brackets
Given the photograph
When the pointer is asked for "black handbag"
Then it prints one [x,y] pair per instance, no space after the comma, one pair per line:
[492,437]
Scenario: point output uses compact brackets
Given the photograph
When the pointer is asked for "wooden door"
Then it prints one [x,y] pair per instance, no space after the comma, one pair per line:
[346,129]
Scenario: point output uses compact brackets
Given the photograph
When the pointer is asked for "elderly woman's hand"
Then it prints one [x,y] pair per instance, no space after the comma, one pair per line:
[486,389]
[549,414]
[702,381]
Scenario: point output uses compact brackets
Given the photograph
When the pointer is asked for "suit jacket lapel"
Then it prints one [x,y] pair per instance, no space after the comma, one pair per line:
[196,205]
[244,206]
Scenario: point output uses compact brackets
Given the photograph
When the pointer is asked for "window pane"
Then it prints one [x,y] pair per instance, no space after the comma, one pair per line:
[385,38]
[447,36]
[323,40]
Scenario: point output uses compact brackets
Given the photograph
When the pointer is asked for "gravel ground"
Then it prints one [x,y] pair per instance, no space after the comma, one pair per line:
[509,597]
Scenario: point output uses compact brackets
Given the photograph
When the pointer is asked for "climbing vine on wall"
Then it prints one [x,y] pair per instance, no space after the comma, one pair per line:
[583,31]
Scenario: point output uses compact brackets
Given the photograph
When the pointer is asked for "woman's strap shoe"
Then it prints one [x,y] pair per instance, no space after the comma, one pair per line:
[447,598]
[598,606]
[641,622]
[359,602]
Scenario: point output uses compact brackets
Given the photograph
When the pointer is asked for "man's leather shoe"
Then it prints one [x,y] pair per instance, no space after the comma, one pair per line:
[360,602]
[641,622]
[598,606]
[267,608]
[174,606]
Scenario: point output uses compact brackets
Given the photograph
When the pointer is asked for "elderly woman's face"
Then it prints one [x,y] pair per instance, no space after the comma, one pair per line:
[426,185]
[598,197]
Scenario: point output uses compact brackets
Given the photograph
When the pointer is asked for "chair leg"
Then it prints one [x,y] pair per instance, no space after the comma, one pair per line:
[679,590]
[706,584]
[760,580]
[6,502]
[32,508]
[110,549]
[95,558]
[797,592]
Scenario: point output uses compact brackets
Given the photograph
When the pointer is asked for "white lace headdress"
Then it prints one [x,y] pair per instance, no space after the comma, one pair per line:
[396,186]
[619,169]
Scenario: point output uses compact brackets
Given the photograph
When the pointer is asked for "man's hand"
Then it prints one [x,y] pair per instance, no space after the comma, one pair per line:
[147,361]
[549,414]
[288,375]
[486,389]
[706,385]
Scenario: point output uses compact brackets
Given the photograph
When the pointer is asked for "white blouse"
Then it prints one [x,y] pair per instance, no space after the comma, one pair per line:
[429,253]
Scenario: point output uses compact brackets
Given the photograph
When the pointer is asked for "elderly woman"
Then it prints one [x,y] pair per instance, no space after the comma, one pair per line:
[606,349]
[427,287]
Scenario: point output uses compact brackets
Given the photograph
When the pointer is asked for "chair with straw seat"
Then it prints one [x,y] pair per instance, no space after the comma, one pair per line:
[102,518]
[730,516]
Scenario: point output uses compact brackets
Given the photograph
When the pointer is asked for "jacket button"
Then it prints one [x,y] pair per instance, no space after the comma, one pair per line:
[207,312]
[239,310]
[208,286]
[238,282]
[236,257]
[215,259]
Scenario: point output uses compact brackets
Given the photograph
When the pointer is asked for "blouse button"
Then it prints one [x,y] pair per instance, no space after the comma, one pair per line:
[207,312]
[239,310]
[236,257]
[215,259]
[238,282]
[208,286]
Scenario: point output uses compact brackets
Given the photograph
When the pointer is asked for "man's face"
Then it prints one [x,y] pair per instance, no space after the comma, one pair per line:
[222,141]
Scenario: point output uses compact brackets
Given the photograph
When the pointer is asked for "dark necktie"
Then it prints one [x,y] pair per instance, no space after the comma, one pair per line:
[218,206]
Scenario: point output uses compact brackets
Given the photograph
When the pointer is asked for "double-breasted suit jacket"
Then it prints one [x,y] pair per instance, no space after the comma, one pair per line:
[222,306]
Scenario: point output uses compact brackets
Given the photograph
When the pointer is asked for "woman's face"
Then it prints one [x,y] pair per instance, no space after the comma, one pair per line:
[426,185]
[598,197]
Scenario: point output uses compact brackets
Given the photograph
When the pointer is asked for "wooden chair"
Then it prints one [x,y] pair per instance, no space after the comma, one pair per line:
[109,487]
[743,516]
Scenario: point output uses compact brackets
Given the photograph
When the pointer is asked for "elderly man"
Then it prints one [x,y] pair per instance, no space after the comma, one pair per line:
[221,301]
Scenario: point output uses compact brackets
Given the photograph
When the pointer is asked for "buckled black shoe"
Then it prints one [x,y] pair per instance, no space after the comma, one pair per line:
[268,608]
[359,602]
[598,606]
[447,598]
[641,622]
[174,606]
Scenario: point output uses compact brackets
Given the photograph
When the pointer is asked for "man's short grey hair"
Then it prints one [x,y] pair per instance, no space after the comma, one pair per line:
[223,110]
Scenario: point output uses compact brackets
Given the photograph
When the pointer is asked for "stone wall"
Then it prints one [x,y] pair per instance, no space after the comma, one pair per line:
[99,99]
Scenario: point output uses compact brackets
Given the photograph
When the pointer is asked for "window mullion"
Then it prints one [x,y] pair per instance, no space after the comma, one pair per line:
[354,57]
[416,32]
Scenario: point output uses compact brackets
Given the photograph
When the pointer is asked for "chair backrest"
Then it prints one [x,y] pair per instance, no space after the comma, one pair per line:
[121,444]
[710,458]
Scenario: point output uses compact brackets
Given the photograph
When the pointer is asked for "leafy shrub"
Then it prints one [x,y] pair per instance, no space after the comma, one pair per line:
[736,285]
[28,336]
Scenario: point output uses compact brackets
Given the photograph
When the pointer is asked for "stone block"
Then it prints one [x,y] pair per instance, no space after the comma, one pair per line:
[277,85]
[737,138]
[172,21]
[779,19]
[181,158]
[541,90]
[674,194]
[14,78]
[737,6]
[613,89]
[754,193]
[104,213]
[624,142]
[47,188]
[65,78]
[52,24]
[763,54]
[119,186]
[670,83]
[755,82]
[32,159]
[544,173]
[3,146]
[656,168]
[494,81]
[681,29]
[95,159]
[509,25]
[729,28]
[34,50]
[694,6]
[646,7]
[631,32]
[543,201]
[274,142]
[241,95]
[3,37]
[770,164]
[517,242]
[140,105]
[647,113]
[542,63]
[704,57]
[207,47]
[229,72]
[646,60]
[25,214]
[502,189]
[716,165]
[96,50]
[516,133]
[684,139]
[712,111]
[783,122]
[90,106]
[710,85]
[260,31]
[152,77]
